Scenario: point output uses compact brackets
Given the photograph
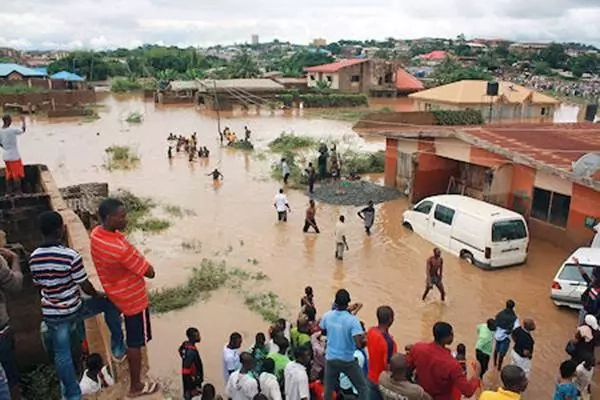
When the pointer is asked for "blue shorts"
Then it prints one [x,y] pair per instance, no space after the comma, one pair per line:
[502,346]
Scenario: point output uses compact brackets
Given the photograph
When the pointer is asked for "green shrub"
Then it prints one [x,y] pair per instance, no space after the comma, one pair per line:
[288,142]
[121,157]
[122,85]
[268,305]
[20,88]
[134,118]
[242,145]
[354,162]
[324,100]
[457,117]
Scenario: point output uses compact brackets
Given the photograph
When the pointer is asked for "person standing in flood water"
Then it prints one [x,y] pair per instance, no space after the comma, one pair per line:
[309,220]
[215,174]
[340,239]
[170,152]
[281,205]
[14,166]
[312,177]
[434,271]
[285,170]
[367,214]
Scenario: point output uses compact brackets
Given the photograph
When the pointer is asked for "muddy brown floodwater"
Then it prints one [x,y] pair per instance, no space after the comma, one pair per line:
[237,222]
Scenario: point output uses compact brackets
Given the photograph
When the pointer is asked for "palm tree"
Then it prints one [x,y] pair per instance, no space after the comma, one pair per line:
[243,66]
[323,85]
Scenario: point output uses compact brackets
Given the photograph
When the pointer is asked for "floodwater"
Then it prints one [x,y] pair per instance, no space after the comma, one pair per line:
[236,222]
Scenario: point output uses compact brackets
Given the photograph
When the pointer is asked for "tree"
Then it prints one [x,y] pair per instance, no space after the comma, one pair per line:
[84,63]
[243,66]
[323,85]
[334,48]
[294,66]
[554,55]
[450,71]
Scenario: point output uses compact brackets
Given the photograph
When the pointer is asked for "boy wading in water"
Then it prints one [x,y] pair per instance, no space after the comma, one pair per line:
[434,271]
[367,214]
[340,239]
[309,220]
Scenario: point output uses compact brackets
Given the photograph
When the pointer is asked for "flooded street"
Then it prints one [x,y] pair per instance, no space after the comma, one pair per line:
[237,222]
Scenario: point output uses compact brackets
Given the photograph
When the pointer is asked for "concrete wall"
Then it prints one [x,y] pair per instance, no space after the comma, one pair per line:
[379,120]
[66,97]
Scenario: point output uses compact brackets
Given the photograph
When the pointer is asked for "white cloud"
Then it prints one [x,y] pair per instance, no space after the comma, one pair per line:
[102,24]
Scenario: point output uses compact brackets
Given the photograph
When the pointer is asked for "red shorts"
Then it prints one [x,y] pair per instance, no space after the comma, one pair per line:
[14,170]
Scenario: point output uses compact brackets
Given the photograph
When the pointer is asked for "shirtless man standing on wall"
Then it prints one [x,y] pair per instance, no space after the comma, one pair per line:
[434,271]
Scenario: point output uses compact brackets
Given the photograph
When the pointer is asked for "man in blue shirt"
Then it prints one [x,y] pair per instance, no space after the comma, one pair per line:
[344,335]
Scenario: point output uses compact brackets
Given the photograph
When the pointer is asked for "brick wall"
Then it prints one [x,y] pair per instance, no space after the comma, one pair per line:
[378,120]
[61,97]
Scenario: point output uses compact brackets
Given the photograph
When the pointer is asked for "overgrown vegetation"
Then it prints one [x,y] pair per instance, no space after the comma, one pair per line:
[298,179]
[177,211]
[122,85]
[268,305]
[345,115]
[354,162]
[19,89]
[121,157]
[242,145]
[324,100]
[192,245]
[289,142]
[458,117]
[139,211]
[41,383]
[205,279]
[134,117]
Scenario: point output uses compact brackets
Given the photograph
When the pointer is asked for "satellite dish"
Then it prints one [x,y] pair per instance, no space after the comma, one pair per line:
[587,165]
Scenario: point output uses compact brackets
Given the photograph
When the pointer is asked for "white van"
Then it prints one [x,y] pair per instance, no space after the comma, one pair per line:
[484,234]
[569,285]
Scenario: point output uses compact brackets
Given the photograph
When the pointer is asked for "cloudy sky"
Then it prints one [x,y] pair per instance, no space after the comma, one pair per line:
[99,24]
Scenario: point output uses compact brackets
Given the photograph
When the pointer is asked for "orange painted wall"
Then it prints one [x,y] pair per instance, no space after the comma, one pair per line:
[432,176]
[485,158]
[585,202]
[391,161]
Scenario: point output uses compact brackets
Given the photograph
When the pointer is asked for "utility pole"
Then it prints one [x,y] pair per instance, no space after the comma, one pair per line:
[217,107]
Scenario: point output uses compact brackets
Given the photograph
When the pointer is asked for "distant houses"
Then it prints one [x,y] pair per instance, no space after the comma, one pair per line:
[513,102]
[15,74]
[360,75]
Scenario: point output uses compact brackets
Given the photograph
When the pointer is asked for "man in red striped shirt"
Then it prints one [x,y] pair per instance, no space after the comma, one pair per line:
[122,269]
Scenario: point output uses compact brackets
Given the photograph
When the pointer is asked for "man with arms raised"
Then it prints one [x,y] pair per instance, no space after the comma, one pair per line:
[14,166]
[122,269]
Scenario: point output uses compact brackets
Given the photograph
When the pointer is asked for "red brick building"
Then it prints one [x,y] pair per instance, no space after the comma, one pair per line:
[524,167]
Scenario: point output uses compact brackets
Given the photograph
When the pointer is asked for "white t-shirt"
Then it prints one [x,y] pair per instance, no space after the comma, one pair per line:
[285,168]
[345,382]
[231,362]
[280,202]
[269,386]
[8,139]
[296,382]
[241,386]
[89,386]
[583,377]
[340,232]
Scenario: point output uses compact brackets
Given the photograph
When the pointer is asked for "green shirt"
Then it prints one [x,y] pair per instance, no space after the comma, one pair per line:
[280,362]
[485,339]
[298,338]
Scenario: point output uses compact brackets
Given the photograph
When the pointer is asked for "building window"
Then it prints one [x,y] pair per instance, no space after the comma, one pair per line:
[355,78]
[444,214]
[544,111]
[312,77]
[329,78]
[427,107]
[550,207]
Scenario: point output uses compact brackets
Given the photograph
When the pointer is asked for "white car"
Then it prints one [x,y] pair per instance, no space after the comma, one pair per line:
[568,285]
[484,234]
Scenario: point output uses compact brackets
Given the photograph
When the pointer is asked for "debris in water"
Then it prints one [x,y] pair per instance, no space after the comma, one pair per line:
[354,193]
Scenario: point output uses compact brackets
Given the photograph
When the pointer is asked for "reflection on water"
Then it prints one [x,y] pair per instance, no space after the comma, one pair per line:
[387,268]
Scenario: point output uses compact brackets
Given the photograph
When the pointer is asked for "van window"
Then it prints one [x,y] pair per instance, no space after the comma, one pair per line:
[508,230]
[424,207]
[444,214]
[571,273]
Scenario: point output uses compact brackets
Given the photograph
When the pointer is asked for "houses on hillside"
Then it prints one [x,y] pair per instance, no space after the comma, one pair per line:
[15,74]
[524,167]
[359,75]
[513,102]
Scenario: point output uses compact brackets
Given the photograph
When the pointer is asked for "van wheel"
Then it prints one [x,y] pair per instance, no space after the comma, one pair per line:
[407,226]
[468,257]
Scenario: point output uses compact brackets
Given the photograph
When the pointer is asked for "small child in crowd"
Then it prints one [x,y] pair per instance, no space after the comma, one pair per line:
[210,393]
[259,351]
[461,356]
[96,376]
[565,388]
[192,371]
[485,344]
[583,377]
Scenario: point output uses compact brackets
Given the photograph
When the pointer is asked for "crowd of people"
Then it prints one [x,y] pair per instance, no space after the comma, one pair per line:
[579,88]
[189,145]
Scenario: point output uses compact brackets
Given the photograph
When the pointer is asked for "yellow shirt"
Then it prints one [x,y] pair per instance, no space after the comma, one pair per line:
[501,394]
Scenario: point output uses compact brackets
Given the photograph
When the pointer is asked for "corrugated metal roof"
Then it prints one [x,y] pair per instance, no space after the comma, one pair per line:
[184,85]
[66,76]
[8,68]
[336,66]
[243,84]
[474,92]
[407,82]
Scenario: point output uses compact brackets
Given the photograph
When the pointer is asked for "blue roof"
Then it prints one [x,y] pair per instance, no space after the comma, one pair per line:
[43,70]
[9,68]
[66,76]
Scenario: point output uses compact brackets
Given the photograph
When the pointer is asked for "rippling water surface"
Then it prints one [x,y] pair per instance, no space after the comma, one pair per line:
[236,222]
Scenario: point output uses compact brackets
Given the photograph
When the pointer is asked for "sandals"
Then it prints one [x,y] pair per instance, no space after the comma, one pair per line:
[149,388]
[119,360]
